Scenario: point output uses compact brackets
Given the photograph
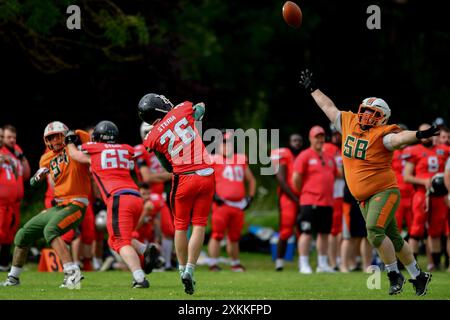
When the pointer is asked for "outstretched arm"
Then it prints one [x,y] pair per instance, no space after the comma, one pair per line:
[398,140]
[325,103]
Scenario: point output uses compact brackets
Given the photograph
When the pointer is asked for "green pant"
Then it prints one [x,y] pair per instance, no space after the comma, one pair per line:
[50,223]
[379,214]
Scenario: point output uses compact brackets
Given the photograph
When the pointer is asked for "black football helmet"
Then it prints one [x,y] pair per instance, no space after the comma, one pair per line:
[105,131]
[153,106]
[438,186]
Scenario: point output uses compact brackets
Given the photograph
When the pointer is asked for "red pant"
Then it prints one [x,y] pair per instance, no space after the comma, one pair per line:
[144,233]
[404,213]
[227,219]
[87,228]
[435,218]
[14,223]
[336,227]
[167,227]
[288,216]
[191,199]
[6,214]
[123,212]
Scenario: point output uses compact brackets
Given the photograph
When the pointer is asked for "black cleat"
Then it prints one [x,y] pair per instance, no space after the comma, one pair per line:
[10,281]
[420,283]
[151,255]
[143,284]
[189,283]
[396,281]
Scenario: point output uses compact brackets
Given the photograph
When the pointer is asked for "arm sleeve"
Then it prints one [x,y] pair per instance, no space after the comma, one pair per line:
[164,162]
[387,141]
[338,122]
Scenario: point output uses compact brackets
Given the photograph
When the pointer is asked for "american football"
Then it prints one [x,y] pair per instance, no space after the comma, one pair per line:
[292,14]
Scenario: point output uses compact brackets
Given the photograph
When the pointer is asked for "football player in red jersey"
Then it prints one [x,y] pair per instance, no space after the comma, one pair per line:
[8,196]
[20,162]
[180,149]
[404,211]
[283,160]
[423,162]
[110,167]
[447,185]
[231,173]
[149,170]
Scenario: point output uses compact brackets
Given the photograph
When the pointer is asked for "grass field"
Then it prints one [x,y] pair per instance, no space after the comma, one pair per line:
[258,283]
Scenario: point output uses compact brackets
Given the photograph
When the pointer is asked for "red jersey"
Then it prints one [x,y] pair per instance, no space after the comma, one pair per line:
[19,167]
[8,183]
[110,167]
[427,161]
[229,176]
[177,138]
[148,159]
[318,174]
[398,164]
[284,156]
[339,183]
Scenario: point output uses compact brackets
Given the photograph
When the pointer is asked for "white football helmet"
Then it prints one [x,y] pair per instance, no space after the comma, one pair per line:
[55,127]
[380,112]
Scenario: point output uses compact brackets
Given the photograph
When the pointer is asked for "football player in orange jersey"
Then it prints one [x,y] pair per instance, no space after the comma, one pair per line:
[71,194]
[368,145]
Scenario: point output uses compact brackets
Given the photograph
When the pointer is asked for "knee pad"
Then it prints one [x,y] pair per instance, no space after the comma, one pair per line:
[375,235]
[398,244]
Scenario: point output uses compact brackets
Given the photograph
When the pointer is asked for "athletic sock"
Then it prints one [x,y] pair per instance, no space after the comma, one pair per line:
[235,262]
[212,261]
[15,272]
[303,261]
[190,268]
[436,256]
[96,263]
[279,263]
[338,261]
[167,247]
[322,261]
[413,269]
[392,267]
[139,275]
[181,269]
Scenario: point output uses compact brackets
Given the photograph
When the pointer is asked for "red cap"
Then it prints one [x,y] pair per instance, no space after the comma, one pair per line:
[316,130]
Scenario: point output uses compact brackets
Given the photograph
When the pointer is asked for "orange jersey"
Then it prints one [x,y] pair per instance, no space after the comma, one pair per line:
[367,162]
[71,178]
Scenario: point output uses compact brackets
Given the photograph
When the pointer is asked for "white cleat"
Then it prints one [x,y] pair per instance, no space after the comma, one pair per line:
[306,270]
[72,279]
[325,269]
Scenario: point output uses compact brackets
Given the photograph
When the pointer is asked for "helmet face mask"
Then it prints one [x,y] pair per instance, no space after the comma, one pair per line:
[105,132]
[52,130]
[373,112]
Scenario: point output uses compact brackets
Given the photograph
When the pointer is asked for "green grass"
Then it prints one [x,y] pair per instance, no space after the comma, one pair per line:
[259,282]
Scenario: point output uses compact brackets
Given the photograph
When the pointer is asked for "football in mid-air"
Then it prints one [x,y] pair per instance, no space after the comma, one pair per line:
[292,14]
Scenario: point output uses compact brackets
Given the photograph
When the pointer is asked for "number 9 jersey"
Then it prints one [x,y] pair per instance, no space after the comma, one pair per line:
[177,138]
[110,167]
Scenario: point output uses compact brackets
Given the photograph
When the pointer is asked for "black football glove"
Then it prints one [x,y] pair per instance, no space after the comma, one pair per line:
[307,81]
[424,134]
[218,200]
[71,137]
[249,201]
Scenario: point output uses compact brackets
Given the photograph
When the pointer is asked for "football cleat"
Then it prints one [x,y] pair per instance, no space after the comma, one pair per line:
[151,256]
[238,268]
[420,283]
[140,285]
[10,281]
[325,269]
[72,279]
[189,283]
[396,281]
[306,270]
[214,267]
